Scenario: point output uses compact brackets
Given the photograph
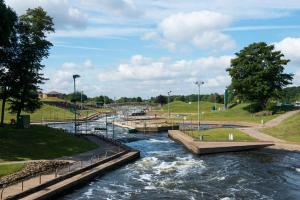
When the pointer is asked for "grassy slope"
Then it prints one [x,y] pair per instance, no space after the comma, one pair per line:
[9,169]
[221,134]
[46,112]
[288,130]
[39,142]
[236,113]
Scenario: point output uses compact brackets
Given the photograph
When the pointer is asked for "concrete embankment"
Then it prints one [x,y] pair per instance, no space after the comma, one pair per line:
[65,183]
[57,186]
[202,148]
[149,128]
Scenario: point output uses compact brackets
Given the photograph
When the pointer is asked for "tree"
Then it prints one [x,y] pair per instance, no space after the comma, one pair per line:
[76,97]
[32,48]
[257,73]
[8,24]
[160,99]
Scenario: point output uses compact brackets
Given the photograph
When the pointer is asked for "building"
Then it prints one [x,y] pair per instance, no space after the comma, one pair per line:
[52,94]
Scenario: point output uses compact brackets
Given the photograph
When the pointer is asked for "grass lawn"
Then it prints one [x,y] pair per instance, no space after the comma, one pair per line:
[221,134]
[288,130]
[39,142]
[236,113]
[46,112]
[9,169]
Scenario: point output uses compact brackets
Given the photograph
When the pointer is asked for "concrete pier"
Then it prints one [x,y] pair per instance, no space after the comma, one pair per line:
[149,127]
[202,148]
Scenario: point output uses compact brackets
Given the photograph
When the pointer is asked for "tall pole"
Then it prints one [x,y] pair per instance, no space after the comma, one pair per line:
[81,99]
[169,103]
[75,108]
[199,83]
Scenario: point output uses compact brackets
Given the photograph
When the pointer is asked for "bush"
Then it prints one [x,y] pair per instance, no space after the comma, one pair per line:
[271,105]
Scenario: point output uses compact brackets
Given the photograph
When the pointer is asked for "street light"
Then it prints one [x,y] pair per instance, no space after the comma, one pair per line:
[199,83]
[169,103]
[75,114]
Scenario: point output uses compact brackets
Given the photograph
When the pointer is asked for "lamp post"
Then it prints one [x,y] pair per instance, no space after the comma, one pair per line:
[169,103]
[199,83]
[75,109]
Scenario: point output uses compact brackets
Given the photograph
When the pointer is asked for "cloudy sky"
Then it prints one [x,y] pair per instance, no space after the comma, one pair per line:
[147,47]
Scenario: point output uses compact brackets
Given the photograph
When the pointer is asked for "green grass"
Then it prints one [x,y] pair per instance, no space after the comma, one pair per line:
[46,113]
[221,134]
[10,169]
[39,142]
[236,113]
[288,130]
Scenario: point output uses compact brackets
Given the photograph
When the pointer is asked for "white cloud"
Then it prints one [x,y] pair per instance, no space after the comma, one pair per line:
[62,79]
[201,29]
[114,7]
[290,47]
[65,14]
[141,74]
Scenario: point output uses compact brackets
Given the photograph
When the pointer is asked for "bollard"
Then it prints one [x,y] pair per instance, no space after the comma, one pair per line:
[69,167]
[40,178]
[81,164]
[56,171]
[22,185]
[2,193]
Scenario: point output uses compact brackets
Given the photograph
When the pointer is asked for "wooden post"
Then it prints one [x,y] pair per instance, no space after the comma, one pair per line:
[22,185]
[40,178]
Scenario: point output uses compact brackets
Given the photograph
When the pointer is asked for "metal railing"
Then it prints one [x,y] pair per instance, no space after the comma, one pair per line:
[35,180]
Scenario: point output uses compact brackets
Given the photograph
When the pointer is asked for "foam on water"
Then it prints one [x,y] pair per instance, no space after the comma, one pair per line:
[297,169]
[159,141]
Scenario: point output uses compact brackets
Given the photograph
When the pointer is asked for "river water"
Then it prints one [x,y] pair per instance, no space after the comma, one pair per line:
[168,171]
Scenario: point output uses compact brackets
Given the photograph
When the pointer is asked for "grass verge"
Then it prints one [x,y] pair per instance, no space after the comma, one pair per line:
[237,113]
[10,169]
[288,130]
[39,142]
[221,134]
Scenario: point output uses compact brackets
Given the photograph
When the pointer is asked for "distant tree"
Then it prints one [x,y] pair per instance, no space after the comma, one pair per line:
[257,73]
[8,39]
[32,48]
[139,99]
[161,99]
[76,97]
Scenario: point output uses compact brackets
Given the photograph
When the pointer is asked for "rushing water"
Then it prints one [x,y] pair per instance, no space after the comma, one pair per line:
[168,171]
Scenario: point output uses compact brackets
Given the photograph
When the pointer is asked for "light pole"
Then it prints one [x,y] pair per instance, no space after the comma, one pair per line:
[199,83]
[169,103]
[75,109]
[81,99]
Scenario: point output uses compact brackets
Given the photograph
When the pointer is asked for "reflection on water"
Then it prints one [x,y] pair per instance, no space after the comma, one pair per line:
[167,171]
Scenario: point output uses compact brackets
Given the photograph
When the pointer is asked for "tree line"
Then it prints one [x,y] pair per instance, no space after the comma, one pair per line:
[23,46]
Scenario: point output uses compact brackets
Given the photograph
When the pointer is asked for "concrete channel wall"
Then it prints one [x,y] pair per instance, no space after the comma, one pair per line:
[67,182]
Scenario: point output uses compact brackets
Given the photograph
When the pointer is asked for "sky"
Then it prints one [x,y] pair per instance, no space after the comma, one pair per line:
[149,47]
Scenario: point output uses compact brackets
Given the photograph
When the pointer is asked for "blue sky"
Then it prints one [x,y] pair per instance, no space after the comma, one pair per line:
[146,48]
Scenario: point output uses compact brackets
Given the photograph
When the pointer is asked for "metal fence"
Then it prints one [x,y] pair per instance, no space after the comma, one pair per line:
[40,178]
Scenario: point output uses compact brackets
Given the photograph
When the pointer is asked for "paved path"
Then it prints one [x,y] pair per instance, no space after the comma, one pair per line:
[279,144]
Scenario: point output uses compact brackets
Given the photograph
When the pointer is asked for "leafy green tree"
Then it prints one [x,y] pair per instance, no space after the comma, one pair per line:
[32,48]
[8,39]
[161,99]
[257,73]
[76,97]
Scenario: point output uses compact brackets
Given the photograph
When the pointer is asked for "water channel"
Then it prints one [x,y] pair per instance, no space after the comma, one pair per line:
[168,171]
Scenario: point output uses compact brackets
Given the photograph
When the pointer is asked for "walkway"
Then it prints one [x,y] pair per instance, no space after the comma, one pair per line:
[279,144]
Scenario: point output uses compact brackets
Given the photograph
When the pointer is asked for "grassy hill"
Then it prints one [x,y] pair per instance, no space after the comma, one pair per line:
[39,142]
[237,113]
[288,130]
[46,112]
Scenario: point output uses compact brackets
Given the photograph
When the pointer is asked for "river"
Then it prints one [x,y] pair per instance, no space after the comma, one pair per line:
[168,171]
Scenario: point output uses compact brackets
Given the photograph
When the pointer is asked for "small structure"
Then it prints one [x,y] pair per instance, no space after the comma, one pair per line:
[52,94]
[202,148]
